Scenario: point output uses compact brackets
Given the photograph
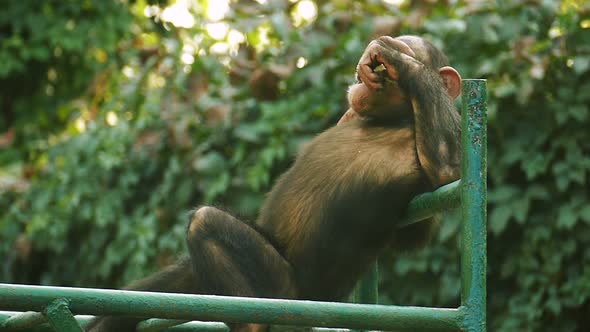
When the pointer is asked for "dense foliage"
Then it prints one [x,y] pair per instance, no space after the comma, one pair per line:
[118,118]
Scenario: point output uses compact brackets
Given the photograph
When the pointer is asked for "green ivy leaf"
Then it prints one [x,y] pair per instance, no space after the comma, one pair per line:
[210,163]
[585,213]
[499,218]
[566,217]
[581,64]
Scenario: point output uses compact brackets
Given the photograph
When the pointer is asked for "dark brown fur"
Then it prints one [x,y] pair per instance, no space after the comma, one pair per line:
[331,214]
[332,222]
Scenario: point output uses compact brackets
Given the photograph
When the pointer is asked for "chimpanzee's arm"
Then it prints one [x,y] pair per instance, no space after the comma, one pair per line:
[437,126]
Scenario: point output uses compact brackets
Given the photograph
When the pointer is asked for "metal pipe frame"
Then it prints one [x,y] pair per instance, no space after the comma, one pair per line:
[57,305]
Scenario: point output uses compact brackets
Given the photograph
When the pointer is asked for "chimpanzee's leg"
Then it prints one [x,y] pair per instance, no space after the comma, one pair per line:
[231,258]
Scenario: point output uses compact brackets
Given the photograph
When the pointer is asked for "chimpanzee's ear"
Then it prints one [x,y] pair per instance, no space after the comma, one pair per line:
[451,80]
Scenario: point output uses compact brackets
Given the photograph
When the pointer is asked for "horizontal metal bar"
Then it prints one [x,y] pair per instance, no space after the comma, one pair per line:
[83,320]
[23,320]
[231,309]
[199,326]
[428,204]
[157,324]
[194,326]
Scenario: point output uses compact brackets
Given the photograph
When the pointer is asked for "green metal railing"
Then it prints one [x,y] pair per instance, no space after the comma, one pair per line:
[40,308]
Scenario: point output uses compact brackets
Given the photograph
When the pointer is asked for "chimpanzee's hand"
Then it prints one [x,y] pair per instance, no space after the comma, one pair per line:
[396,56]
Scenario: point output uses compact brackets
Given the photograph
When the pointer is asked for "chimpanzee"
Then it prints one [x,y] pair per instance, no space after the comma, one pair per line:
[330,215]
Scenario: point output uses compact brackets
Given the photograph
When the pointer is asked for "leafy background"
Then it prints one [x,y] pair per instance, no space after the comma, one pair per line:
[120,116]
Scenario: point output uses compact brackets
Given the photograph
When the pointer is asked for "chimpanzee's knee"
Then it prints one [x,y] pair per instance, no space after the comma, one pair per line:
[230,257]
[198,221]
[206,220]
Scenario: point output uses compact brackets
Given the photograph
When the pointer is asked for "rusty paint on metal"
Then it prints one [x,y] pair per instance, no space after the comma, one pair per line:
[473,197]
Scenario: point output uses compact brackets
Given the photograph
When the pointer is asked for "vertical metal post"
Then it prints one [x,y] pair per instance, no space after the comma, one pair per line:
[61,318]
[473,196]
[367,289]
